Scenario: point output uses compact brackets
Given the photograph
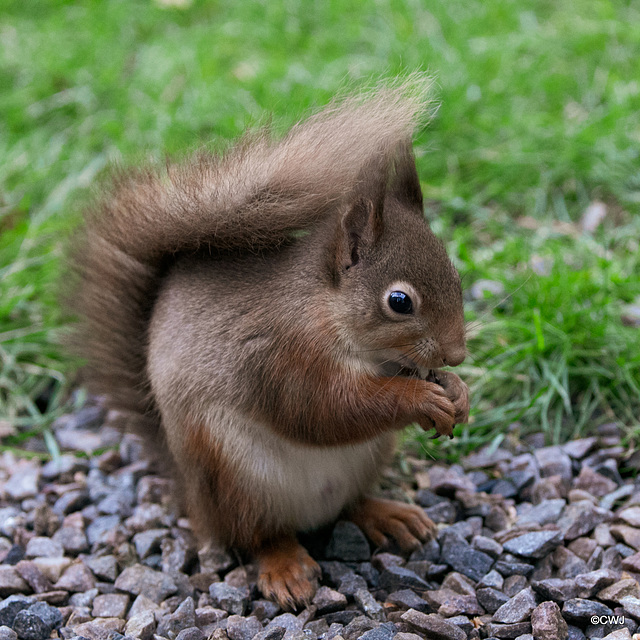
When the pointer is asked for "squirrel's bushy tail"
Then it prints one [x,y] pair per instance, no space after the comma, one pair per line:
[252,197]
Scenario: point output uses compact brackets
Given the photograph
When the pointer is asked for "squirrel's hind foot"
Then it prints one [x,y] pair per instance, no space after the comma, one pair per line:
[287,573]
[407,524]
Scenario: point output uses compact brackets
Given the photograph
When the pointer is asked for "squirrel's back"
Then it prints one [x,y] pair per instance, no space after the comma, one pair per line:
[251,198]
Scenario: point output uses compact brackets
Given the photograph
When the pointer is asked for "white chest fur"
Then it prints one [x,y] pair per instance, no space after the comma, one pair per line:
[304,486]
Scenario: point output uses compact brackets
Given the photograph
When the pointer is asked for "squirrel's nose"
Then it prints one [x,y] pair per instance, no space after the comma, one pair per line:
[453,356]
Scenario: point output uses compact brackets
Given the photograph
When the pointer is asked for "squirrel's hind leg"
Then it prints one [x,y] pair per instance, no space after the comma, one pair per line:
[407,524]
[287,573]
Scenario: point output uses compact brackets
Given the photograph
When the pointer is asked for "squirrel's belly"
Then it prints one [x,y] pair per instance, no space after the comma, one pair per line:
[304,486]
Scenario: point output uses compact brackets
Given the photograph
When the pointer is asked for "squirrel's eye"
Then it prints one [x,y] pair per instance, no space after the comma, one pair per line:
[400,302]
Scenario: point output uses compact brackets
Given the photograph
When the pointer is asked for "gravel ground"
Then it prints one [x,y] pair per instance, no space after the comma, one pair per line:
[534,542]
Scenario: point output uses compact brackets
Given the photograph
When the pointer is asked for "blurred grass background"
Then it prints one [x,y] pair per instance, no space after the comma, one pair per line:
[539,119]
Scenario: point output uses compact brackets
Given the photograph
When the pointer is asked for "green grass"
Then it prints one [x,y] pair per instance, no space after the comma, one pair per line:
[539,116]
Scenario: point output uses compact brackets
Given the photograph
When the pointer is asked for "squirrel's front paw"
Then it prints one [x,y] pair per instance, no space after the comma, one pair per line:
[458,392]
[438,410]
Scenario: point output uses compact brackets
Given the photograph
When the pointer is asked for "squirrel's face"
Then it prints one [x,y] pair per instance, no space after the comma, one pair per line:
[397,293]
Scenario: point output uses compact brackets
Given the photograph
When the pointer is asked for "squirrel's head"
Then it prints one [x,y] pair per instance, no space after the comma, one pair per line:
[397,294]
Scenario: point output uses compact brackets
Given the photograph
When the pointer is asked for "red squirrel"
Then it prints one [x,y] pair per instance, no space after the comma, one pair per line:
[270,318]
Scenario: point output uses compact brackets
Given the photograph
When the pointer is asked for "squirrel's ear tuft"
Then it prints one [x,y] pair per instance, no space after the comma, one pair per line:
[405,184]
[361,227]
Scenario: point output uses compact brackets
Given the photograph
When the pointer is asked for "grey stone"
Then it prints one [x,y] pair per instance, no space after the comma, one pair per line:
[518,608]
[553,461]
[148,542]
[594,483]
[228,598]
[513,630]
[590,583]
[11,606]
[547,622]
[580,518]
[619,590]
[30,626]
[42,547]
[7,634]
[505,488]
[579,611]
[76,578]
[442,512]
[408,599]
[274,633]
[328,600]
[492,579]
[139,579]
[110,605]
[369,606]
[536,544]
[485,457]
[50,615]
[66,464]
[239,628]
[288,621]
[631,606]
[183,617]
[215,560]
[84,599]
[341,617]
[23,482]
[487,545]
[457,553]
[141,625]
[578,449]
[72,539]
[100,528]
[568,563]
[103,567]
[396,578]
[348,543]
[11,582]
[192,633]
[71,501]
[357,628]
[556,589]
[514,584]
[178,553]
[334,571]
[510,567]
[433,626]
[319,627]
[574,633]
[383,632]
[546,512]
[491,599]
[119,502]
[445,481]
[350,583]
[459,583]
[264,609]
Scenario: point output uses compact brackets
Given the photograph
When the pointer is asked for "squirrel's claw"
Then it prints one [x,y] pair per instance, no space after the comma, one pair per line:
[288,575]
[458,392]
[407,524]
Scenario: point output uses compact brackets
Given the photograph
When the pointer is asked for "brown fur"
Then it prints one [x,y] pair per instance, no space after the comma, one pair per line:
[269,360]
[251,198]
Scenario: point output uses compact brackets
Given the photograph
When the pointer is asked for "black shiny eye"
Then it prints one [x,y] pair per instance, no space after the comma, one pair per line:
[400,302]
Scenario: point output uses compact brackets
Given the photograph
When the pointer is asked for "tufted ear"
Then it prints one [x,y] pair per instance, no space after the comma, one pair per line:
[362,224]
[405,184]
[361,227]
